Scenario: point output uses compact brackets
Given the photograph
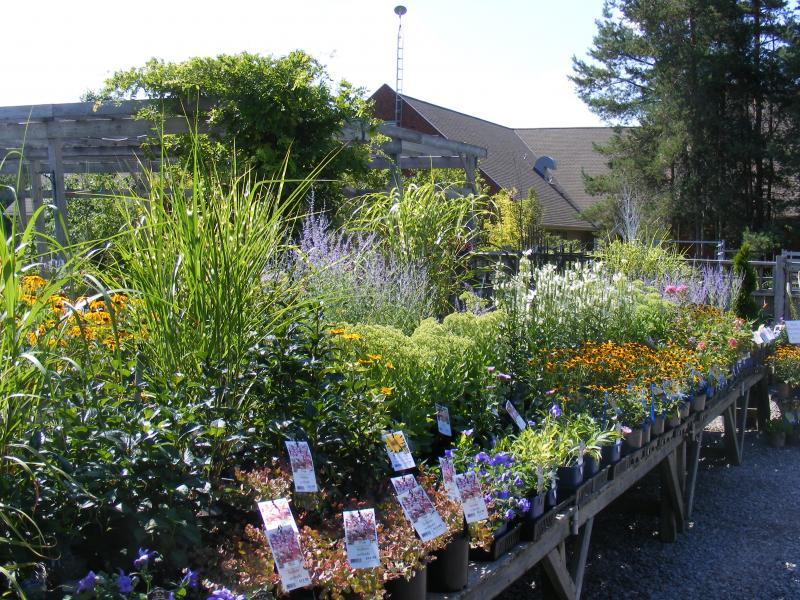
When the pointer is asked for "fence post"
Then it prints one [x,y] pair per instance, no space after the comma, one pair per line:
[779,284]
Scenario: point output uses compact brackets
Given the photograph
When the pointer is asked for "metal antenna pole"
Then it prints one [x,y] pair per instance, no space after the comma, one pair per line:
[398,84]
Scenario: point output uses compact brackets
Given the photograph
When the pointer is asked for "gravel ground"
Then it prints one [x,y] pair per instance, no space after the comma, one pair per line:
[743,541]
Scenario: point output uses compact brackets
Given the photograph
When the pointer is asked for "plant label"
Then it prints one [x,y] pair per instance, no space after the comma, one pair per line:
[443,420]
[517,418]
[398,451]
[449,478]
[539,480]
[361,539]
[469,488]
[302,467]
[793,331]
[418,508]
[284,542]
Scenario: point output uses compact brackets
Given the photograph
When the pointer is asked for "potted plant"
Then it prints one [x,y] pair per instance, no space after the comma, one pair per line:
[776,430]
[785,363]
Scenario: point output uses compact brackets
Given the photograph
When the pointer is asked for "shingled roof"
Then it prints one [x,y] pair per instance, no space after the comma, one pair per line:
[573,149]
[513,152]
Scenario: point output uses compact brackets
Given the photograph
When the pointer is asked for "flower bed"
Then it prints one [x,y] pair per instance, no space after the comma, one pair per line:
[274,453]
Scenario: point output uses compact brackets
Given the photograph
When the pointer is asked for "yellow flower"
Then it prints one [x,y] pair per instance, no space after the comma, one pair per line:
[364,361]
[351,337]
[336,331]
[31,283]
[374,356]
[31,338]
[28,299]
[386,391]
[389,364]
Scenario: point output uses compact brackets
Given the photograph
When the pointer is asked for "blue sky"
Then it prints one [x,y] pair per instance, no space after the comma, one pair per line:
[505,61]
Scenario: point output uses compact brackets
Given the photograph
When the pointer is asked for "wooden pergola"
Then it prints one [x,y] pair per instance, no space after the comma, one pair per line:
[53,140]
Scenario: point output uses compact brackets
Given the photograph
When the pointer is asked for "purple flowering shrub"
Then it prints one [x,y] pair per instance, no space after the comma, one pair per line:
[356,281]
[710,284]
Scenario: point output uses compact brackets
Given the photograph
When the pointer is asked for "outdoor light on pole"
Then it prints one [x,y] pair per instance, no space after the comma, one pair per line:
[399,10]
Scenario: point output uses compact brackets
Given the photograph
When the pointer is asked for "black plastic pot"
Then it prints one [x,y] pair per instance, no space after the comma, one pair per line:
[448,573]
[699,403]
[673,421]
[610,455]
[503,542]
[657,427]
[408,589]
[569,477]
[645,434]
[537,506]
[590,466]
[683,409]
[550,498]
[633,440]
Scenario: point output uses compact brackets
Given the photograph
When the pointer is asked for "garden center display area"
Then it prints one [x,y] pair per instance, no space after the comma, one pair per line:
[227,400]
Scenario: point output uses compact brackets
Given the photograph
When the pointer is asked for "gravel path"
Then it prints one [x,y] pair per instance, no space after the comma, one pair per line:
[743,542]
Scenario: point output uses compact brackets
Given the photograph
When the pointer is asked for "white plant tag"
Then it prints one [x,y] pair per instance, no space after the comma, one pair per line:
[284,542]
[539,479]
[361,539]
[443,420]
[449,478]
[302,467]
[512,411]
[418,508]
[398,451]
[581,450]
[469,488]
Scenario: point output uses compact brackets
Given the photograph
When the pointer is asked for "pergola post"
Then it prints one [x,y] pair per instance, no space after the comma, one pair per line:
[59,189]
[36,200]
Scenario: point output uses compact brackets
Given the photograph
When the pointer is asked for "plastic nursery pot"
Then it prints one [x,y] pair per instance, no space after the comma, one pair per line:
[590,466]
[683,409]
[657,427]
[698,402]
[408,589]
[673,421]
[645,434]
[568,479]
[611,455]
[448,573]
[537,506]
[550,498]
[633,440]
[777,439]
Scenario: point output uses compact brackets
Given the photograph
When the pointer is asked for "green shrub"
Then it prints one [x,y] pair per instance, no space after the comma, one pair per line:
[745,305]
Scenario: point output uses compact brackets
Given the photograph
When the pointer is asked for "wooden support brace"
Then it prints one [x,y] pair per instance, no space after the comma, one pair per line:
[555,567]
[694,464]
[731,435]
[579,565]
[743,422]
[672,507]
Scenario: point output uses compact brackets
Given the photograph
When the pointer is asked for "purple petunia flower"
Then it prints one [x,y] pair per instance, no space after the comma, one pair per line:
[225,594]
[124,583]
[518,481]
[502,494]
[503,376]
[487,498]
[482,457]
[490,369]
[555,411]
[448,453]
[505,476]
[144,558]
[531,423]
[483,472]
[190,578]
[468,432]
[524,505]
[87,583]
[510,514]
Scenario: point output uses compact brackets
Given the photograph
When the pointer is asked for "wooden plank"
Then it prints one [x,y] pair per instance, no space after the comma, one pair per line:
[432,141]
[555,567]
[418,162]
[743,422]
[14,134]
[672,507]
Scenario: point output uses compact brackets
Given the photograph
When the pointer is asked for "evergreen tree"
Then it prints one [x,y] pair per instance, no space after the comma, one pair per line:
[709,84]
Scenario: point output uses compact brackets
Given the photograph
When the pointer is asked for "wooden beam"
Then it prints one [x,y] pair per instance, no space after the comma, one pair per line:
[731,437]
[432,141]
[672,508]
[115,129]
[418,162]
